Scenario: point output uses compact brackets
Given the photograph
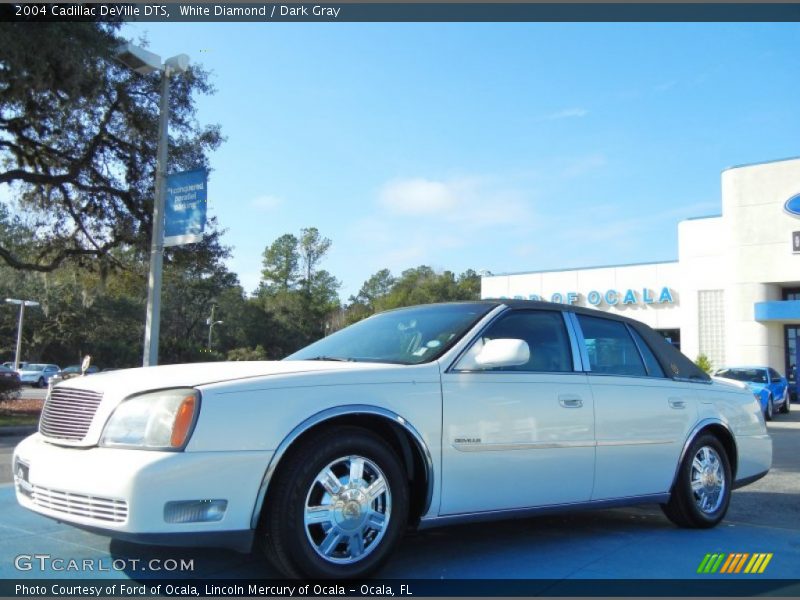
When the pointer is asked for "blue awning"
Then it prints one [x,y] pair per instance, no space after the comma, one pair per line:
[779,310]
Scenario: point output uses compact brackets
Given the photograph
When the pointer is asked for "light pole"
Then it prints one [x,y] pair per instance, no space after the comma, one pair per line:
[22,304]
[144,62]
[211,322]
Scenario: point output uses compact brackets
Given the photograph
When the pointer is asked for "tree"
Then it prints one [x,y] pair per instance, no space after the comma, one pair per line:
[421,285]
[704,363]
[312,249]
[281,263]
[298,295]
[78,134]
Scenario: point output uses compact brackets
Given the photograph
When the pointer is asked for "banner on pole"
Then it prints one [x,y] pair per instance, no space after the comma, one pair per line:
[185,207]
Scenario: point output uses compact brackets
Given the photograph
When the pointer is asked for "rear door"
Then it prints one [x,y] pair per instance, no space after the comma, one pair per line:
[642,417]
[521,436]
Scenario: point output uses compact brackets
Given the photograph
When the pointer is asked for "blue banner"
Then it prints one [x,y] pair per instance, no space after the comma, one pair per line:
[185,207]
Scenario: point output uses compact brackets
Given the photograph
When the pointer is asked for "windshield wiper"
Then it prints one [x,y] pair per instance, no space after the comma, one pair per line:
[332,358]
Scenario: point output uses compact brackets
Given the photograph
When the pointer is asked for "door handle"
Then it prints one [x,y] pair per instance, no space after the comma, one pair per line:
[570,401]
[677,403]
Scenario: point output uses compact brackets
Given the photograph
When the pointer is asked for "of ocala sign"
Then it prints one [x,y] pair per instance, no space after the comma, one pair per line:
[608,297]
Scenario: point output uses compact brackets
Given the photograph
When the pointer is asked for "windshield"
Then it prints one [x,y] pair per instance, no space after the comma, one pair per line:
[751,375]
[406,336]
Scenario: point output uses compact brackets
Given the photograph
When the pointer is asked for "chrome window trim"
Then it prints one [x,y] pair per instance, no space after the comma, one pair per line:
[633,335]
[587,365]
[575,336]
[338,411]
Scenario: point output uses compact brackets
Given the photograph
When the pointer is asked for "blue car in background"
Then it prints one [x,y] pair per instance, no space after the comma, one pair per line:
[769,386]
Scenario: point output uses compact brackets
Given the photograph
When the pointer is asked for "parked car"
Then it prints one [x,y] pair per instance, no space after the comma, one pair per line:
[37,374]
[769,386]
[421,416]
[10,364]
[9,381]
[72,371]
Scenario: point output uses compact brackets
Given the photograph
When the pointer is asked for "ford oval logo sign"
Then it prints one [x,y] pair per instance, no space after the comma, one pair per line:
[792,205]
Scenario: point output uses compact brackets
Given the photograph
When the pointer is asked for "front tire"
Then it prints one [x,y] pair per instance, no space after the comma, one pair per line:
[338,507]
[41,383]
[702,490]
[769,412]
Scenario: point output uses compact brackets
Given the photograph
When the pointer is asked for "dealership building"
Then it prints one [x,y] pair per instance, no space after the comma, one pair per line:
[734,292]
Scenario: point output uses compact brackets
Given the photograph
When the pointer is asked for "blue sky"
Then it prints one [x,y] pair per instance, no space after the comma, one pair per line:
[500,146]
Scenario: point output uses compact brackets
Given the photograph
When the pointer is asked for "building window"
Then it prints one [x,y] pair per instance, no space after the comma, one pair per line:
[673,336]
[791,343]
[791,294]
[711,321]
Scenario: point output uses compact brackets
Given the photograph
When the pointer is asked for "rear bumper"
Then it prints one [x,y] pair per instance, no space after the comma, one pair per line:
[754,458]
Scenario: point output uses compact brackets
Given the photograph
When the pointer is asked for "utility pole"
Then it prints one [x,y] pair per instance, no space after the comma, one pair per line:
[22,304]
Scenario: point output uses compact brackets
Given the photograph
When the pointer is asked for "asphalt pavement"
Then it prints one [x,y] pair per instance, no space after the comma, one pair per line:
[635,543]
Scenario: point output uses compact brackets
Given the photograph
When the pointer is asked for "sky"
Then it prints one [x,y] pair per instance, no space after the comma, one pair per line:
[500,146]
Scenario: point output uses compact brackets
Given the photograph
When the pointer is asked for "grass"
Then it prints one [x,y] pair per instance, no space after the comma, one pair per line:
[17,419]
[19,412]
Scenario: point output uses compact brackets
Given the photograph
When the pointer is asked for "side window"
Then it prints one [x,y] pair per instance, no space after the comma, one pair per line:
[542,330]
[774,375]
[650,361]
[610,347]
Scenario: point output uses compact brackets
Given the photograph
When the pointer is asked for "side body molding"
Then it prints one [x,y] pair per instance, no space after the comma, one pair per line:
[339,411]
[693,434]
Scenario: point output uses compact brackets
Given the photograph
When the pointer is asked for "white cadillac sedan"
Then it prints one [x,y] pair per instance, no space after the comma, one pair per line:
[420,417]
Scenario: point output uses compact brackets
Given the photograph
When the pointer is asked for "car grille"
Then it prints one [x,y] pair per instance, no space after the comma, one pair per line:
[79,505]
[68,413]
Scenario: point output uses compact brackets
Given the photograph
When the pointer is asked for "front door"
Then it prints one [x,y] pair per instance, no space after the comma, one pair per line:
[519,436]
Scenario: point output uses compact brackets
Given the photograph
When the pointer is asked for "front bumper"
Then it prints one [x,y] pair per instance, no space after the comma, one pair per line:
[122,493]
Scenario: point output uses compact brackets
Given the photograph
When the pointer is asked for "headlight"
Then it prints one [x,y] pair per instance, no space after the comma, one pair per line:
[159,420]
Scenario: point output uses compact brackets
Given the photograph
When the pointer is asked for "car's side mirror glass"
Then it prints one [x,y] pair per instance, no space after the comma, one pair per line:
[503,353]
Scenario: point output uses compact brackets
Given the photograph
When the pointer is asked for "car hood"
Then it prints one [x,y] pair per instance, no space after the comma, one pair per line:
[740,384]
[197,374]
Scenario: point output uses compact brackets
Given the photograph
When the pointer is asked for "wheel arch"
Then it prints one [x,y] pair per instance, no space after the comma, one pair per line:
[397,431]
[722,432]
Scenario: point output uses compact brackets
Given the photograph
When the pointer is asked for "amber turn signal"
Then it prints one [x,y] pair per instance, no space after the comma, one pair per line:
[183,421]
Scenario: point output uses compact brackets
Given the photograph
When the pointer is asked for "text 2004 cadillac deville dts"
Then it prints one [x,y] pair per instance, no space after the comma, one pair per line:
[420,416]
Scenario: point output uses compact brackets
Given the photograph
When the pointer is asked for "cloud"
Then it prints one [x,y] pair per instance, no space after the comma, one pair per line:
[417,197]
[266,203]
[567,113]
[665,86]
[471,203]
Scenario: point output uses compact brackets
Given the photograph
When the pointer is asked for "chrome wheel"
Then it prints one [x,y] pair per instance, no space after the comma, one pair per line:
[347,509]
[707,480]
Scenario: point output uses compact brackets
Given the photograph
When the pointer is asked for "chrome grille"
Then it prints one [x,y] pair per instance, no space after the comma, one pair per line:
[80,505]
[68,413]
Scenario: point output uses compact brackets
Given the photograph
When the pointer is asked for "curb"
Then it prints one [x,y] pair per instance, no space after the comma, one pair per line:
[17,431]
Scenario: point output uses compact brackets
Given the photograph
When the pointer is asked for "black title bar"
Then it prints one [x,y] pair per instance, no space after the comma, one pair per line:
[401,12]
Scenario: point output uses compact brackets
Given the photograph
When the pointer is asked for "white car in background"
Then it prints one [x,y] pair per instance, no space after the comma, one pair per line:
[38,374]
[421,416]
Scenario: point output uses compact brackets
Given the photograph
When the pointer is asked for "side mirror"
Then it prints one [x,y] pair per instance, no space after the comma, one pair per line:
[503,353]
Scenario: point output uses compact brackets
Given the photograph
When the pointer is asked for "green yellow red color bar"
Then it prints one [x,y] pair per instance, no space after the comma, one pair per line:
[737,562]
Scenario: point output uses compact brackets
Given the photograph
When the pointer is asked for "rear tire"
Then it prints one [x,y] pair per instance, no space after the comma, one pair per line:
[702,490]
[337,507]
